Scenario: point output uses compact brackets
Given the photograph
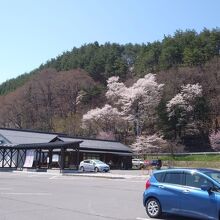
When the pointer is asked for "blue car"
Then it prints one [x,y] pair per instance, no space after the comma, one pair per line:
[188,192]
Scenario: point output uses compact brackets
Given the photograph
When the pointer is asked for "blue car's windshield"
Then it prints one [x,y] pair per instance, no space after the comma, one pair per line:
[215,175]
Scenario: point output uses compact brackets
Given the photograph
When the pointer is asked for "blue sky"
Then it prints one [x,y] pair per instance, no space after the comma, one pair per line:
[34,31]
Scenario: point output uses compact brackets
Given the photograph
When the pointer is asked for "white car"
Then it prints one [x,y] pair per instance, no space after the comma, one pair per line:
[137,163]
[93,165]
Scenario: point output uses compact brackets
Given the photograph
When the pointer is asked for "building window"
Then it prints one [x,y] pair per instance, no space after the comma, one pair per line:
[91,156]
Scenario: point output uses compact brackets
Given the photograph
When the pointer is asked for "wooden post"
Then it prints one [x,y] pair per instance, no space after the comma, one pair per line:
[43,158]
[39,161]
[1,152]
[77,157]
[62,159]
[3,159]
[50,158]
[11,155]
[17,158]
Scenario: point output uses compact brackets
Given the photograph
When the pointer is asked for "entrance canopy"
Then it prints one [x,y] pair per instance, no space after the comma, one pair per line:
[47,150]
[14,155]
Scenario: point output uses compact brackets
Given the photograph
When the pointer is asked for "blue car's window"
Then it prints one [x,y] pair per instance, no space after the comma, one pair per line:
[196,180]
[214,175]
[159,176]
[174,178]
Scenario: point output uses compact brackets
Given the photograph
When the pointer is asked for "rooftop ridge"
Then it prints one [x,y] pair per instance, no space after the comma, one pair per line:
[30,130]
[58,134]
[93,139]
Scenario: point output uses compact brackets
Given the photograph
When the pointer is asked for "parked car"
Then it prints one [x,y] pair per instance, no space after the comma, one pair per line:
[188,192]
[153,163]
[156,163]
[137,163]
[93,165]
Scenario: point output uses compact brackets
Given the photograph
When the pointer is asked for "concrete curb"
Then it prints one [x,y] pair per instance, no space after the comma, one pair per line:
[106,175]
[94,176]
[68,174]
[80,174]
[113,176]
[37,173]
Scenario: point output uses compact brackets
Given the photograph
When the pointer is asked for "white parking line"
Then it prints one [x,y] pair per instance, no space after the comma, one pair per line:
[138,181]
[26,194]
[71,178]
[128,180]
[5,188]
[36,175]
[53,177]
[32,176]
[14,174]
[138,218]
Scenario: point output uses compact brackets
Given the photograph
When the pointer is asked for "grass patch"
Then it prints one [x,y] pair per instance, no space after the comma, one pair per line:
[211,158]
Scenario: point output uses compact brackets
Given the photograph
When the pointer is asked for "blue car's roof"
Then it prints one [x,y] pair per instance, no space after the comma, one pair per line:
[202,170]
[207,170]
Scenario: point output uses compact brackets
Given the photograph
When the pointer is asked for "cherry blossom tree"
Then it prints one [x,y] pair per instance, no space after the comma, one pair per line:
[105,135]
[131,108]
[137,103]
[181,108]
[188,119]
[116,91]
[155,143]
[102,119]
[214,138]
[143,98]
[149,144]
[185,100]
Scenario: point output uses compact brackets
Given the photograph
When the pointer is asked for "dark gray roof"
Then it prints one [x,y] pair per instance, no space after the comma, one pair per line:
[15,136]
[99,144]
[54,145]
[109,152]
[47,146]
[23,137]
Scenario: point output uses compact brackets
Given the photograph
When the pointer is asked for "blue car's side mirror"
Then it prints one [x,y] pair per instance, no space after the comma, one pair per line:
[206,188]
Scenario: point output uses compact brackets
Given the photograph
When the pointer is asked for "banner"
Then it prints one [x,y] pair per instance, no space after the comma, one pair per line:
[29,158]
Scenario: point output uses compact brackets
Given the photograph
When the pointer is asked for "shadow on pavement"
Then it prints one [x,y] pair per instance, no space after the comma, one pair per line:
[176,217]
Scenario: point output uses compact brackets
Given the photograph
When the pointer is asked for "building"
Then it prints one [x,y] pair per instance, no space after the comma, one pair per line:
[41,150]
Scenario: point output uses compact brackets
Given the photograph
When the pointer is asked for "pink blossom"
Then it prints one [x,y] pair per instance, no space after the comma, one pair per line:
[185,99]
[136,103]
[149,144]
[214,138]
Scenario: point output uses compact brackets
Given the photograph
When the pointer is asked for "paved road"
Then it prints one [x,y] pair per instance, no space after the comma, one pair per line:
[48,197]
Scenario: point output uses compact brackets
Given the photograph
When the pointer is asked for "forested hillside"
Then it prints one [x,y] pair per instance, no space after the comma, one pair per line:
[184,48]
[106,91]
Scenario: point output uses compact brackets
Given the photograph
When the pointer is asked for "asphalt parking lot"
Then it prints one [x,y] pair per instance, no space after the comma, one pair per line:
[39,196]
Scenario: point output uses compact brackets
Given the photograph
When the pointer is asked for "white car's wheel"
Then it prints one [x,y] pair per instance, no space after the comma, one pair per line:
[82,169]
[153,208]
[96,169]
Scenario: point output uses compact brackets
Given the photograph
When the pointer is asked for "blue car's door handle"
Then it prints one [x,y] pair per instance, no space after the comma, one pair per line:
[186,191]
[161,186]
